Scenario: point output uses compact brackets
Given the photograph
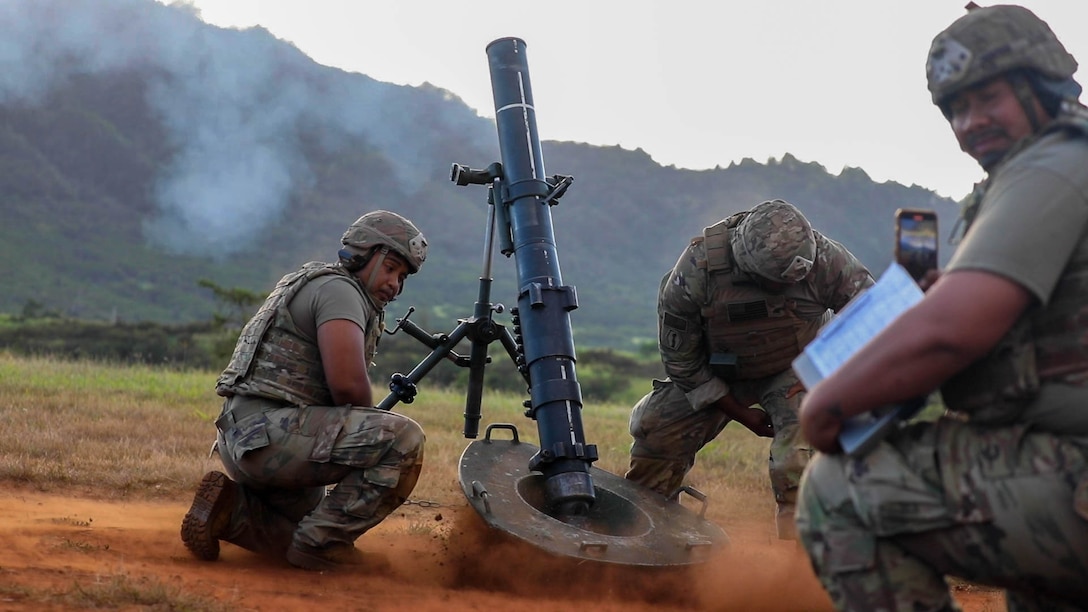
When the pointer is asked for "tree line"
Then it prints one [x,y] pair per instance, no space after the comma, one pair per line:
[604,374]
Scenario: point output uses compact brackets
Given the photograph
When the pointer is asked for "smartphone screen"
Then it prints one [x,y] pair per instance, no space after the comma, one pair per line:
[916,241]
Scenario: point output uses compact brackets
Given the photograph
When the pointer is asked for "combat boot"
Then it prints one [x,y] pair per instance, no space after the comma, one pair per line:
[209,516]
[320,559]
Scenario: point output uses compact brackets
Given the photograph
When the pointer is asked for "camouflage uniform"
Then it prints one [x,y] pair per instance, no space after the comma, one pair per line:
[997,491]
[279,437]
[709,305]
[285,454]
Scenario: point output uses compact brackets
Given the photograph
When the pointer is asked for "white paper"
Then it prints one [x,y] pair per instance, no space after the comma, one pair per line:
[862,319]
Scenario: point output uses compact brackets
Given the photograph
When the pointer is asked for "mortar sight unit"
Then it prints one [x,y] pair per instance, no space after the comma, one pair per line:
[550,496]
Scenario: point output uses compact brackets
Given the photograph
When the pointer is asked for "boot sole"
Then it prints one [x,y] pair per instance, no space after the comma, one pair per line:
[206,519]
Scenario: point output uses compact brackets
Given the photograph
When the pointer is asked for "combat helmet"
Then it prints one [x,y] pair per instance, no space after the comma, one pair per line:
[775,241]
[382,228]
[989,41]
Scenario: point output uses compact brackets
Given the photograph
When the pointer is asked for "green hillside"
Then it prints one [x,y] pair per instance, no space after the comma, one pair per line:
[124,183]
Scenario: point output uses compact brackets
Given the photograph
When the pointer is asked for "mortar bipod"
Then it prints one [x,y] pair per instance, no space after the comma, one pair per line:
[480,329]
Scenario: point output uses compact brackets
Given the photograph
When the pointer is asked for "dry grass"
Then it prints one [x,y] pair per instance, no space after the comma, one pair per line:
[142,432]
[112,592]
[120,430]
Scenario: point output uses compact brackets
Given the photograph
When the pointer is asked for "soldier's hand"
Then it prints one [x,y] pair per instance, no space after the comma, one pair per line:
[821,426]
[795,388]
[931,276]
[757,421]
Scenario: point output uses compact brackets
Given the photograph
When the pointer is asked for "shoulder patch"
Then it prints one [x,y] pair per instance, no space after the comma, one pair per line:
[671,321]
[671,339]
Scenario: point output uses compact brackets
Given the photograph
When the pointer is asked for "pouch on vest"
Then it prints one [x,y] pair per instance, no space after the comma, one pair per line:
[725,366]
[996,389]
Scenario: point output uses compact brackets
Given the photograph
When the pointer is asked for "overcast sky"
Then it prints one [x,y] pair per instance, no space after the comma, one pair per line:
[692,83]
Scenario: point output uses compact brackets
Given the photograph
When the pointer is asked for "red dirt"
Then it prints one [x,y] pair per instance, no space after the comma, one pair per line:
[423,559]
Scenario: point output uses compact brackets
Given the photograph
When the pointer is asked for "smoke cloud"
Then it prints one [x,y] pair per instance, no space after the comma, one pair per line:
[231,102]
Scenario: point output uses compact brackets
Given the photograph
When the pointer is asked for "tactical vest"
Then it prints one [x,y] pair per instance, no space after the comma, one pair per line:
[761,331]
[1046,345]
[274,360]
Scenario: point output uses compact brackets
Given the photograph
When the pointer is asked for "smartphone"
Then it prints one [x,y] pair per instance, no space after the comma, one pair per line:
[916,240]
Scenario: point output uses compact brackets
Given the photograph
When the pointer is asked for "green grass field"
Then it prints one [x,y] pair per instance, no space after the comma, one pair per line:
[143,432]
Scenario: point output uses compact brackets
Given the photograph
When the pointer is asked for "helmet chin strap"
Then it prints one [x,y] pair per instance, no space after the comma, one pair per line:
[1024,93]
[381,253]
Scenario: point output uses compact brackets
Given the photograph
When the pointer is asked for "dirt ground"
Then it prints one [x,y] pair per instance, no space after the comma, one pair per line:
[422,559]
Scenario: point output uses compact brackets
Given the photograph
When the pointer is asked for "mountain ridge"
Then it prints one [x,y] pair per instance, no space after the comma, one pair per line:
[125,180]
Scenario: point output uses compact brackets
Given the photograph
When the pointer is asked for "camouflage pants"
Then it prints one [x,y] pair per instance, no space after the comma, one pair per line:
[284,459]
[668,434]
[1000,506]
